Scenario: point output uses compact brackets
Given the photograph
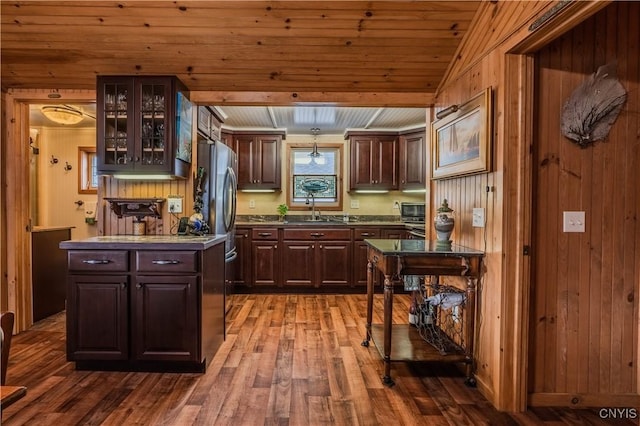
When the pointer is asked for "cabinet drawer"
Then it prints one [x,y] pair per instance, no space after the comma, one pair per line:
[264,234]
[98,260]
[364,233]
[166,261]
[317,234]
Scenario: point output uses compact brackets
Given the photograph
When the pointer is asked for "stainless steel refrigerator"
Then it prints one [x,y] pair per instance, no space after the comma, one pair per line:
[220,185]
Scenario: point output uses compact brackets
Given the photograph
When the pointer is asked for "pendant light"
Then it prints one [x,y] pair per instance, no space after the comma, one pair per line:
[314,152]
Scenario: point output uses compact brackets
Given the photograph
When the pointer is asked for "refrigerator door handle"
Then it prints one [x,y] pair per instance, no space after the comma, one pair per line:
[230,190]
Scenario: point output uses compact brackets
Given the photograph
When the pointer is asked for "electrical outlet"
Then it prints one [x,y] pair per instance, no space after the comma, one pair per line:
[252,204]
[174,205]
[355,204]
[478,217]
[573,222]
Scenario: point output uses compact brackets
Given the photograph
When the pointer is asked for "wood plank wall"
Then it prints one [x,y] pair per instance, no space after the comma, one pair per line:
[167,224]
[497,53]
[584,340]
[465,193]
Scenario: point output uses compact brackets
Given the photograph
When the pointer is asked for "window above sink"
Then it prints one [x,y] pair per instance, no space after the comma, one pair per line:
[314,179]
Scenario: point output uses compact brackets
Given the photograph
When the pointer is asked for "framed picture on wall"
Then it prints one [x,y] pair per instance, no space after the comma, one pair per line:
[461,141]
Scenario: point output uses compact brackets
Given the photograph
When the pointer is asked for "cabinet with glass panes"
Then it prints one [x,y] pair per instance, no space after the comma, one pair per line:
[143,127]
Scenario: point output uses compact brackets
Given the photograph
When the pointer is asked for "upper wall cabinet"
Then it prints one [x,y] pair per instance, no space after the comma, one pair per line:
[258,160]
[412,161]
[374,161]
[209,123]
[144,126]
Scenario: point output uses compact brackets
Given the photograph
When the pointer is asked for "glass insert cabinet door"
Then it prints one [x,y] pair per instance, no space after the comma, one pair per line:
[116,98]
[133,124]
[152,117]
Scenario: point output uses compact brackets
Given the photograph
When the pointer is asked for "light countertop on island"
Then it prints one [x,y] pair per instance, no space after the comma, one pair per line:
[144,242]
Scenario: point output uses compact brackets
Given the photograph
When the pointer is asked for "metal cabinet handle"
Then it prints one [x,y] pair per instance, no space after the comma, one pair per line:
[275,247]
[317,234]
[320,245]
[96,261]
[264,234]
[366,234]
[138,285]
[165,262]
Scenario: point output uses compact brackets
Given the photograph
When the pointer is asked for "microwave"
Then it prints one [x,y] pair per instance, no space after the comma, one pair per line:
[412,212]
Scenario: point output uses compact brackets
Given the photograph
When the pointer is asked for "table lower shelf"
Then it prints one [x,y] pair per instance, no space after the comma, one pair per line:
[407,345]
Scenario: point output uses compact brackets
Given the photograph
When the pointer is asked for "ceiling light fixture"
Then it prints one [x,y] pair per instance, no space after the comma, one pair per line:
[64,114]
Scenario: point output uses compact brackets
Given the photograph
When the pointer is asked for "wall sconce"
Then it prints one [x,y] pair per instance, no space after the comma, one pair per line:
[443,113]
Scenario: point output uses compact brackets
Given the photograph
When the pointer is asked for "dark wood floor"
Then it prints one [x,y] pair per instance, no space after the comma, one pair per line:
[287,360]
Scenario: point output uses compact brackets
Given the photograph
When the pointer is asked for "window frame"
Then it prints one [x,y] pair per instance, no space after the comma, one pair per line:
[86,169]
[335,206]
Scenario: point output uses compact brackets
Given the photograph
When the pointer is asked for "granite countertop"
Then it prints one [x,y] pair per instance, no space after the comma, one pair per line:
[318,223]
[155,242]
[328,220]
[420,248]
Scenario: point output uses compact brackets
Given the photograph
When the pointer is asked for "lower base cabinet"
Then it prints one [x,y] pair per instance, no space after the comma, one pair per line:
[145,309]
[165,306]
[291,257]
[97,317]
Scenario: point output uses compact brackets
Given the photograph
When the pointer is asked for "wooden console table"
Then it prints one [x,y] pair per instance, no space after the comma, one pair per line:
[402,342]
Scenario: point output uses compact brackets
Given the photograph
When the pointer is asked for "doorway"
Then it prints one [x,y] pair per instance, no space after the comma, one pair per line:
[61,206]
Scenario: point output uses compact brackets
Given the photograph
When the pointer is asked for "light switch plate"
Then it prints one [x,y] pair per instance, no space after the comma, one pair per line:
[252,204]
[478,217]
[573,222]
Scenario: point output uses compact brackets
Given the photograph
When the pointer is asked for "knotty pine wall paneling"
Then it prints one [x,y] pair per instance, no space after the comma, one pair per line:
[497,53]
[584,314]
[465,193]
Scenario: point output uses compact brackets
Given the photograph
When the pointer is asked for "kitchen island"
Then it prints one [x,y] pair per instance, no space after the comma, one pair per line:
[145,303]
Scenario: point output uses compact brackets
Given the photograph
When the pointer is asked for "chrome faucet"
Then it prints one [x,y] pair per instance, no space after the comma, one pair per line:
[313,205]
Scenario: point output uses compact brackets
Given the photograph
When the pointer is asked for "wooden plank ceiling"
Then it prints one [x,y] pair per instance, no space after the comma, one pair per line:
[353,47]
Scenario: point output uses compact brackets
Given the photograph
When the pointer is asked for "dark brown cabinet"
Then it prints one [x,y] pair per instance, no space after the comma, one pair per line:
[316,257]
[393,233]
[227,138]
[243,260]
[360,253]
[165,306]
[48,271]
[145,308]
[373,162]
[209,123]
[97,317]
[137,126]
[258,160]
[265,257]
[412,161]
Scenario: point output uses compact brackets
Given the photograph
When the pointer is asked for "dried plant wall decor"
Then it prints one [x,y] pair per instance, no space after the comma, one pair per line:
[593,107]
